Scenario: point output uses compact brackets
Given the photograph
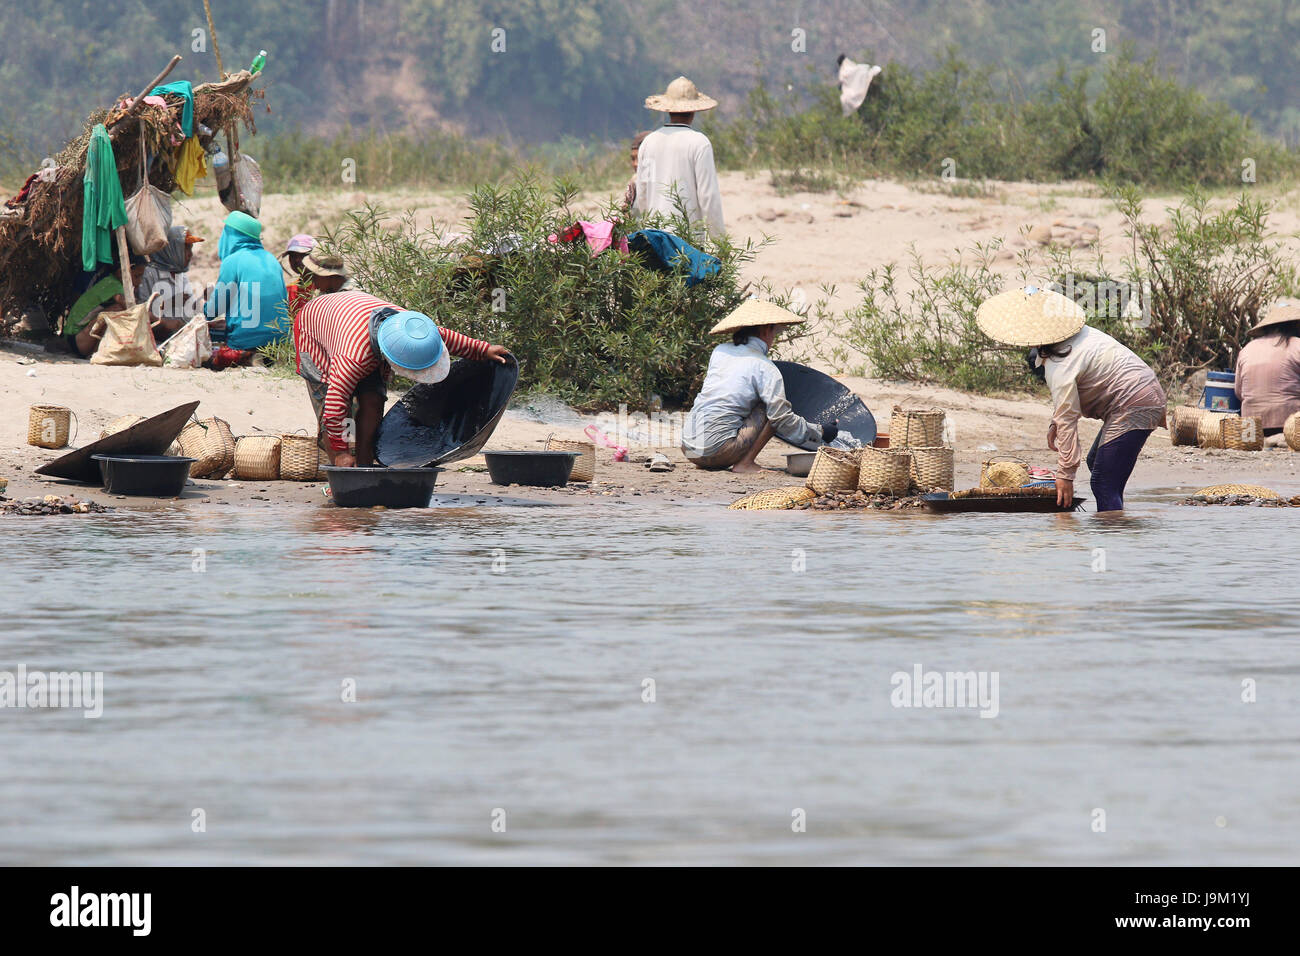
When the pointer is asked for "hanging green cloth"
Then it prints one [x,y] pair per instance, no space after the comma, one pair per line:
[185,91]
[105,209]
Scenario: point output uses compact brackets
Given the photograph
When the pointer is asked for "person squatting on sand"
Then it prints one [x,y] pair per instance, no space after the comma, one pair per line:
[83,326]
[742,403]
[1091,375]
[179,299]
[675,162]
[349,344]
[250,294]
[1268,368]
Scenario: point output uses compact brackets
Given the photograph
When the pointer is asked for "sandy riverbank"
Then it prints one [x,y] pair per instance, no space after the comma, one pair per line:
[255,400]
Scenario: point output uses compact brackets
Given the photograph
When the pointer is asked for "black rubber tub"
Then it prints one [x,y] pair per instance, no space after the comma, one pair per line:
[153,476]
[390,487]
[541,469]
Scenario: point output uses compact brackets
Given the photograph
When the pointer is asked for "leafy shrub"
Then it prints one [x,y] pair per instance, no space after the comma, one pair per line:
[592,330]
[1127,122]
[1183,300]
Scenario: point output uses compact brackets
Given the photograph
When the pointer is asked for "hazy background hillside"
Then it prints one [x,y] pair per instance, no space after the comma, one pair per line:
[579,68]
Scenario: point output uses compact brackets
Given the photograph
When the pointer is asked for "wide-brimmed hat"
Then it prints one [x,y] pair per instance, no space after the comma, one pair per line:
[322,264]
[680,97]
[1278,313]
[299,243]
[754,312]
[412,344]
[1030,316]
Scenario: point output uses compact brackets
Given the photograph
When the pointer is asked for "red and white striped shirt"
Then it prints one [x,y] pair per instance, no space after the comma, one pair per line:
[333,331]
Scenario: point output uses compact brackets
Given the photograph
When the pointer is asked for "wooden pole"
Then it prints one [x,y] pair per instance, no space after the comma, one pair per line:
[124,256]
[212,32]
[139,100]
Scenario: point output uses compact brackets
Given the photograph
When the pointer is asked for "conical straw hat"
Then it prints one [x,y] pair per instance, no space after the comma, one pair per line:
[755,312]
[1030,316]
[680,97]
[1278,313]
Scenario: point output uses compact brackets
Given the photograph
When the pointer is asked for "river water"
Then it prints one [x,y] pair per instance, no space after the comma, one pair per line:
[501,659]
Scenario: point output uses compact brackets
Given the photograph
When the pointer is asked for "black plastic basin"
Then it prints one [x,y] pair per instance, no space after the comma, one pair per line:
[541,469]
[154,476]
[390,487]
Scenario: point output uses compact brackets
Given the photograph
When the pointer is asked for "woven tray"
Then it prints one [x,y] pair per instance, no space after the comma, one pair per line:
[776,499]
[1254,491]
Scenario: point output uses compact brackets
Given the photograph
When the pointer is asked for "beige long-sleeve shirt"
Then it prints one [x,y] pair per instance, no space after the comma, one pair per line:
[1268,378]
[1100,378]
[678,158]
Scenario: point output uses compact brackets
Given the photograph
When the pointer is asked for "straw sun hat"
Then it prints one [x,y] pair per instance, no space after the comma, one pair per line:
[1279,312]
[1030,316]
[753,312]
[680,97]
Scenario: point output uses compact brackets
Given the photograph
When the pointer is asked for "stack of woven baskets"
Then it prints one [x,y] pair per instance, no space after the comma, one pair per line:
[916,461]
[1207,429]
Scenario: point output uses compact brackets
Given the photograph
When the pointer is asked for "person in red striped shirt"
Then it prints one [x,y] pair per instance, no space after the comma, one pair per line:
[350,343]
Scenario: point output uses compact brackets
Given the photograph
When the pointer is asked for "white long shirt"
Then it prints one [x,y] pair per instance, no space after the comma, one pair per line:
[676,156]
[741,378]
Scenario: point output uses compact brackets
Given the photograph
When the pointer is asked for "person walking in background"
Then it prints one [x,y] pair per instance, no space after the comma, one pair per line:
[250,294]
[629,195]
[855,80]
[675,162]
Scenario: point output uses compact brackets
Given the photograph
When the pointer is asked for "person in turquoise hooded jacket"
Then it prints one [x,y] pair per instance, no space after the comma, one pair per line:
[250,289]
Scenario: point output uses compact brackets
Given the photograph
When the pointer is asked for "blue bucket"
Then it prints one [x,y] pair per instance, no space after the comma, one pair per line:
[1220,394]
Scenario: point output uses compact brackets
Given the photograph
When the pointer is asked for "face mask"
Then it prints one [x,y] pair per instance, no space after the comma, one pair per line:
[1036,366]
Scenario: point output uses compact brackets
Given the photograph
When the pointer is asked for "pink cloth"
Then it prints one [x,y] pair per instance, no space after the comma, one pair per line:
[600,235]
[1268,378]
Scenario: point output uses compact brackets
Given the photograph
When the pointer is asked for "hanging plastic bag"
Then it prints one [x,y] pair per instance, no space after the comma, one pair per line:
[245,192]
[128,339]
[148,212]
[190,347]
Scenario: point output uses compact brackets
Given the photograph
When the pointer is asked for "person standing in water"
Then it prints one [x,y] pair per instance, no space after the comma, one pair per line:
[1091,375]
[742,403]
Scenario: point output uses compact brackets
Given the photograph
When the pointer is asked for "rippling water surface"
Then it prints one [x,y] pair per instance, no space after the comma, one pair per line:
[500,656]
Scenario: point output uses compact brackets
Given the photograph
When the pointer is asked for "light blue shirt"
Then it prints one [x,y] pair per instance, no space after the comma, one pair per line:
[741,378]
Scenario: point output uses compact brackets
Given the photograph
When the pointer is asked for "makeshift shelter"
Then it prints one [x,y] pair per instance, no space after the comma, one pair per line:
[40,234]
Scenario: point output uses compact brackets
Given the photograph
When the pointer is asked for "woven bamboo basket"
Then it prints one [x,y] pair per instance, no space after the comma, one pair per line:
[584,466]
[1182,425]
[120,425]
[48,425]
[1209,431]
[210,441]
[299,458]
[1291,431]
[1003,473]
[775,499]
[257,457]
[1242,434]
[933,468]
[834,469]
[1254,491]
[916,427]
[885,471]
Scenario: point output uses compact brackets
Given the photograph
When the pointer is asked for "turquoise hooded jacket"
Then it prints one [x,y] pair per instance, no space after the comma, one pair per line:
[249,292]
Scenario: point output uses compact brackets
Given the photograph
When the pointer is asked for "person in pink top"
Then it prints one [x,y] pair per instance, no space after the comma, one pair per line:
[1268,368]
[1091,375]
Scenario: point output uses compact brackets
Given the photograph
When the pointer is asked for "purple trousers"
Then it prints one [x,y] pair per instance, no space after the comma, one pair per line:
[1110,466]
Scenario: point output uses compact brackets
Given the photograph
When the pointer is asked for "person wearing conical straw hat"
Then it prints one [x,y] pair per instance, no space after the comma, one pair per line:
[1268,368]
[742,403]
[1091,375]
[675,162]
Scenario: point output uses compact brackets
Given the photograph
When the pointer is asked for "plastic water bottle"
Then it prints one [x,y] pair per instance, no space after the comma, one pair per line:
[259,61]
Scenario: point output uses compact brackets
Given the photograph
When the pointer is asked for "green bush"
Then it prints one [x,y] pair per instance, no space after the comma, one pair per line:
[1183,300]
[593,330]
[1127,122]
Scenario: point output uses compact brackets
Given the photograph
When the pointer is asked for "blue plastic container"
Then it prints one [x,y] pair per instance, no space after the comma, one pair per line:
[1220,394]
